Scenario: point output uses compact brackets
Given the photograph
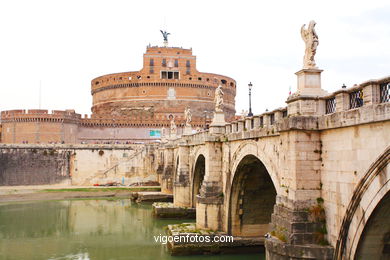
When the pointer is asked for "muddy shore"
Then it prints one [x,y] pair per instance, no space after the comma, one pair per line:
[53,192]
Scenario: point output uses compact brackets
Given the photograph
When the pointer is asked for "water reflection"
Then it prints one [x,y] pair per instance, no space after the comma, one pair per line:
[83,230]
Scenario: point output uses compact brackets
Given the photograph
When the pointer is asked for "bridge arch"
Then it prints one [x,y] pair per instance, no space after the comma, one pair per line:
[251,148]
[369,208]
[197,177]
[252,198]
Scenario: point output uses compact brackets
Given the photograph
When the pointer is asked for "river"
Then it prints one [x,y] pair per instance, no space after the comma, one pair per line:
[95,229]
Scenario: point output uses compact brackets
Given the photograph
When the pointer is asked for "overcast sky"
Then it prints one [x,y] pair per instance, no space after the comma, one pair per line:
[65,44]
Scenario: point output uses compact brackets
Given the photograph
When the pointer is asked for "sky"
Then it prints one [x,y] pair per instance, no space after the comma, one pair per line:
[60,46]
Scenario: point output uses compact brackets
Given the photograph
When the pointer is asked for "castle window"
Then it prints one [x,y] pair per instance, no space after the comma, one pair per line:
[188,63]
[176,63]
[151,62]
[164,62]
[223,81]
[164,74]
[169,74]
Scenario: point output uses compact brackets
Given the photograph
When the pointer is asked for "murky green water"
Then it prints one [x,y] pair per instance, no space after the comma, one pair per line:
[85,230]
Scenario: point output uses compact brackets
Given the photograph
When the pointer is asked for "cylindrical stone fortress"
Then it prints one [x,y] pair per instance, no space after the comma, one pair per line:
[167,84]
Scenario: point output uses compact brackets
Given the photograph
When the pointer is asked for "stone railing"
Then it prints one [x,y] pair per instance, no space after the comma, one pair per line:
[334,110]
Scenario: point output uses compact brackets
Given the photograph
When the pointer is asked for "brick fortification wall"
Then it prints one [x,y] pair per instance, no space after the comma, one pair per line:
[168,83]
[130,106]
[33,166]
[39,126]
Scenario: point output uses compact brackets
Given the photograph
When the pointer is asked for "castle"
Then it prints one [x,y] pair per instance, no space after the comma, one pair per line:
[129,107]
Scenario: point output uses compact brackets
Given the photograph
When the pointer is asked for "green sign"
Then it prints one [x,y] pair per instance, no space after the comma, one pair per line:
[155,133]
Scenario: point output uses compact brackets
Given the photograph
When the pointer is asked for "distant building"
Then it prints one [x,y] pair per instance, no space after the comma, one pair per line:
[130,106]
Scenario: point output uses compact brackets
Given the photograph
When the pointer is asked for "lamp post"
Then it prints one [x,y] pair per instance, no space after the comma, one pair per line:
[250,97]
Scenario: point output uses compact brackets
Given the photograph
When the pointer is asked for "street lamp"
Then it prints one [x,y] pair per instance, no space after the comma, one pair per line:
[250,94]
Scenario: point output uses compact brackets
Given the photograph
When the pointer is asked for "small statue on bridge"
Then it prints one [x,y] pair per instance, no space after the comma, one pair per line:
[173,126]
[218,99]
[188,116]
[310,38]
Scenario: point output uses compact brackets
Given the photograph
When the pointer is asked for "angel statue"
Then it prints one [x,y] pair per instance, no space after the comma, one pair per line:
[165,35]
[188,116]
[310,38]
[218,99]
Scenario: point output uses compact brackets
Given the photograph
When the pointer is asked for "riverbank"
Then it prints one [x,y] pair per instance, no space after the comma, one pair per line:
[59,192]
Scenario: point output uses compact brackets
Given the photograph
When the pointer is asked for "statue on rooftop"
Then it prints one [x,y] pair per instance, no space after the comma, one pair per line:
[165,35]
[310,38]
[218,99]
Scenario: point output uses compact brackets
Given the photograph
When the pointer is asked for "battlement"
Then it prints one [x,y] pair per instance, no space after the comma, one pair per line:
[20,115]
[168,50]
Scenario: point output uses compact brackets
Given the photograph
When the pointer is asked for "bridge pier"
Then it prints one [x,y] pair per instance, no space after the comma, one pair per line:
[168,171]
[209,205]
[182,187]
[300,232]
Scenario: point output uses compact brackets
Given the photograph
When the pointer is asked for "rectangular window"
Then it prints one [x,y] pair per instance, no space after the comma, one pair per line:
[176,63]
[188,64]
[170,75]
[285,113]
[261,122]
[151,70]
[151,62]
[164,62]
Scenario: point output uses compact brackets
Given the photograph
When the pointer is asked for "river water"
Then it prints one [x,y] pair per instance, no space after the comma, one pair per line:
[86,230]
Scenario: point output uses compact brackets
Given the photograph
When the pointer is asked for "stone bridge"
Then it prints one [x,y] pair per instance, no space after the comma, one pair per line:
[314,175]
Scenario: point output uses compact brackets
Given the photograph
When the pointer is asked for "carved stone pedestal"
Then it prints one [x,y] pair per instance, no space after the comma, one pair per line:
[217,126]
[218,119]
[309,82]
[187,130]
